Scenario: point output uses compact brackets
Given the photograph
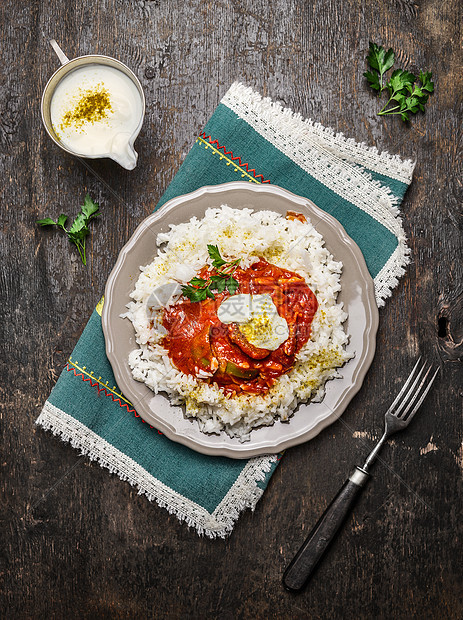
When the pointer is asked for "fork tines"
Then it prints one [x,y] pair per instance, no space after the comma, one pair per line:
[411,400]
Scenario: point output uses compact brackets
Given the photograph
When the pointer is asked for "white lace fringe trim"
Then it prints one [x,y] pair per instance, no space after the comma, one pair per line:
[335,161]
[243,494]
[342,147]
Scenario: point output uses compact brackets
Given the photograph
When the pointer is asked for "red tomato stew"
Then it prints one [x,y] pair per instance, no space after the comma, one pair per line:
[198,341]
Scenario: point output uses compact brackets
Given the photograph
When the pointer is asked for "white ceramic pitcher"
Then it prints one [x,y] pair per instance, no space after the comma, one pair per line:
[126,155]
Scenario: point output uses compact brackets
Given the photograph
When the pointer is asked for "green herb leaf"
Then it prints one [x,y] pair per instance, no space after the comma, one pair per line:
[376,53]
[201,294]
[405,95]
[47,221]
[388,61]
[79,228]
[218,283]
[412,104]
[198,281]
[425,79]
[194,294]
[381,61]
[217,260]
[199,289]
[209,293]
[373,80]
[89,208]
[232,285]
[399,81]
[62,221]
[78,225]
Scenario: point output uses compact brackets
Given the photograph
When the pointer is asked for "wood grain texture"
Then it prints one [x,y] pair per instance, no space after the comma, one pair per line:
[78,542]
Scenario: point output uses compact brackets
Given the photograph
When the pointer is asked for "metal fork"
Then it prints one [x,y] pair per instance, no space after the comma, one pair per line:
[398,417]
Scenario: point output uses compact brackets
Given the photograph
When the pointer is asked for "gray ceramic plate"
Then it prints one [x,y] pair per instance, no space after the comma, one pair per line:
[309,419]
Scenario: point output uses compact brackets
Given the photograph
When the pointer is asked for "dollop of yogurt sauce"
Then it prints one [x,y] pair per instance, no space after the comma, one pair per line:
[257,318]
[95,111]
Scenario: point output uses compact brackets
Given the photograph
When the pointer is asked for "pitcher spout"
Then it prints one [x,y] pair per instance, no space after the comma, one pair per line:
[123,152]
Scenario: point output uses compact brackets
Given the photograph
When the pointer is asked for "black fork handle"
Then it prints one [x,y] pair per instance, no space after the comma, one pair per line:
[317,542]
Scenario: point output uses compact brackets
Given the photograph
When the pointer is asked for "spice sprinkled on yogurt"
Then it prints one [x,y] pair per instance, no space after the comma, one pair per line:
[93,105]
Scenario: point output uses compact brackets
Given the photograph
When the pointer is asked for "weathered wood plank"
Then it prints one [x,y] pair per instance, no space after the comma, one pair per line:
[79,542]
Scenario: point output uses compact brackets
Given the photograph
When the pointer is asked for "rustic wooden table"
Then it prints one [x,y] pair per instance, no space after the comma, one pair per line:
[79,542]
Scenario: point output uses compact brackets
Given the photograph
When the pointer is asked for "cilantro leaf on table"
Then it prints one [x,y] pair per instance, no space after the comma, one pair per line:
[47,221]
[407,93]
[373,80]
[89,208]
[399,81]
[425,79]
[381,61]
[79,229]
[62,221]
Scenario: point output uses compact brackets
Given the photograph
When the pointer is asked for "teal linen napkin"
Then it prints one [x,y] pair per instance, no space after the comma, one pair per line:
[253,139]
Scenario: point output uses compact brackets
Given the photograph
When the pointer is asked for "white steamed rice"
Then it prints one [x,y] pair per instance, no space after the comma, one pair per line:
[242,233]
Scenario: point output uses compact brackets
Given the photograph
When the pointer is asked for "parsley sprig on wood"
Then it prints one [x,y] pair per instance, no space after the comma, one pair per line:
[408,94]
[79,227]
[199,289]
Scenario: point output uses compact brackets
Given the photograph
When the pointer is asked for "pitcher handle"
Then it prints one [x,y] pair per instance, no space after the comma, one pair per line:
[59,52]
